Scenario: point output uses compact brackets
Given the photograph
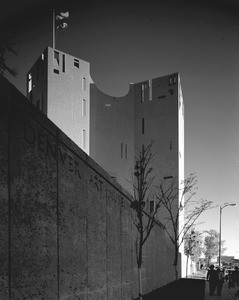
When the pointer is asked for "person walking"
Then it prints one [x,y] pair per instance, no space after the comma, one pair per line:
[212,277]
[235,279]
[220,281]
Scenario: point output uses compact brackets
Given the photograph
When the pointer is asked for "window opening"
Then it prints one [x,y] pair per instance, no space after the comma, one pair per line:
[76,63]
[126,150]
[84,84]
[142,125]
[63,62]
[143,91]
[29,82]
[56,71]
[171,92]
[83,138]
[56,58]
[170,80]
[83,107]
[121,150]
[150,90]
[151,206]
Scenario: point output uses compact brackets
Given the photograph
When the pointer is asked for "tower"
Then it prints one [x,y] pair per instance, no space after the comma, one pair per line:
[112,129]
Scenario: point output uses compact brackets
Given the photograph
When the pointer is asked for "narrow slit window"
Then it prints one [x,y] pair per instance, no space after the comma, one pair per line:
[126,150]
[151,206]
[170,80]
[175,79]
[142,125]
[171,145]
[150,90]
[84,84]
[63,63]
[83,107]
[83,138]
[121,149]
[29,82]
[143,92]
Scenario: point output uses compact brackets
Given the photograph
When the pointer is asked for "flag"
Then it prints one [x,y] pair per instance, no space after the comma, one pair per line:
[61,20]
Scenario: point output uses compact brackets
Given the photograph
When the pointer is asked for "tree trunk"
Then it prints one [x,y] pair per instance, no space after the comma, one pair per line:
[140,284]
[187,267]
[175,263]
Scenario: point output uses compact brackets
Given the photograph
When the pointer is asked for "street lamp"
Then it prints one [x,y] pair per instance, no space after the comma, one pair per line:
[220,229]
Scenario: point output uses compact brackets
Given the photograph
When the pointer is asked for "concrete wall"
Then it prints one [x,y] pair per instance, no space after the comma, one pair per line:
[65,227]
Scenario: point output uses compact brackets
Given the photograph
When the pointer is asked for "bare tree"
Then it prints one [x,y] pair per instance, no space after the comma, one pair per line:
[180,209]
[144,221]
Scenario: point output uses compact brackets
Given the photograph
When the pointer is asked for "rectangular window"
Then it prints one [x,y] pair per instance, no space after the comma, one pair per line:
[63,62]
[56,71]
[84,84]
[171,92]
[76,63]
[150,90]
[170,80]
[56,58]
[29,82]
[126,150]
[151,206]
[121,150]
[161,97]
[175,79]
[83,138]
[83,107]
[171,145]
[42,57]
[143,92]
[168,177]
[142,125]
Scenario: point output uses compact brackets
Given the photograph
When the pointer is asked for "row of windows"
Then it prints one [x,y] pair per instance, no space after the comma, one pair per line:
[172,79]
[56,61]
[143,93]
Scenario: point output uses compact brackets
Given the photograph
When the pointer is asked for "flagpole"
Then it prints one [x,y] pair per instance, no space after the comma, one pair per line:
[53,30]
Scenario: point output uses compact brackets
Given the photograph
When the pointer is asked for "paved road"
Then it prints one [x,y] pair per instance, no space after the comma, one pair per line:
[227,294]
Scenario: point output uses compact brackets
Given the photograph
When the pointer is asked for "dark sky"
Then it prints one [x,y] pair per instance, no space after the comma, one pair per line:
[131,41]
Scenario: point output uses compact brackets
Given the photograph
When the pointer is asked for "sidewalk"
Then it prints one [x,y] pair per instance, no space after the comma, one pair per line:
[227,294]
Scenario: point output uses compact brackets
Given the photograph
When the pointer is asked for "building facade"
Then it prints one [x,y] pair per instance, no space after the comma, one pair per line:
[112,129]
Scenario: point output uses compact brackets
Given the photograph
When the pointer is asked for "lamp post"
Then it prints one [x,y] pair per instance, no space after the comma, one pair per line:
[220,230]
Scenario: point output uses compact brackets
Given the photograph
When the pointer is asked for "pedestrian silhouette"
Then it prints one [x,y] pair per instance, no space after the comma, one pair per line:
[212,277]
[235,279]
[220,281]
